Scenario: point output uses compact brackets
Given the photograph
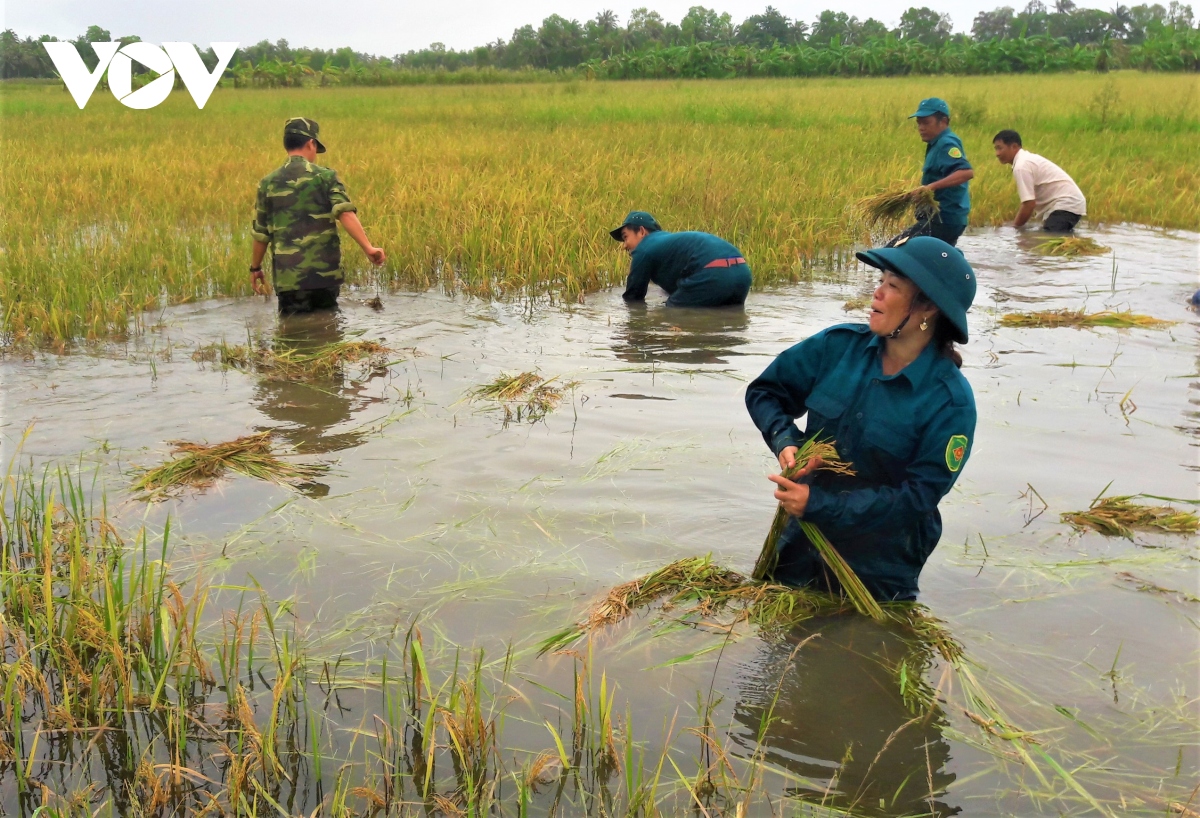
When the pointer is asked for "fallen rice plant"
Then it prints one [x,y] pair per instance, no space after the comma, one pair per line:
[1069,246]
[321,363]
[893,206]
[1079,318]
[1120,517]
[199,466]
[709,589]
[524,396]
[859,302]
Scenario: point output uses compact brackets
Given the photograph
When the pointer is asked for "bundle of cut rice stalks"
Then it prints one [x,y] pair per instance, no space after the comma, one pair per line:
[892,207]
[1119,517]
[199,466]
[768,559]
[1079,318]
[1070,246]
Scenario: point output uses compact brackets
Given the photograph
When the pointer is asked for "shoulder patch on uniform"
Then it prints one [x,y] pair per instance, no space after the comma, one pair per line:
[956,452]
[955,153]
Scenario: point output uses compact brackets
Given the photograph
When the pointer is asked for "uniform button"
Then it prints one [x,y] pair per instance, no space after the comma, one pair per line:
[874,380]
[859,416]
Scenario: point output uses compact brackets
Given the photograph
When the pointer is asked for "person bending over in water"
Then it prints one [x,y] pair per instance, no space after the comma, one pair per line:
[696,269]
[891,395]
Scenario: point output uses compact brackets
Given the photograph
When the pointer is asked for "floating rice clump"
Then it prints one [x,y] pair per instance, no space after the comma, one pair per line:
[1067,246]
[1119,516]
[524,396]
[891,207]
[284,364]
[199,466]
[1079,318]
[859,302]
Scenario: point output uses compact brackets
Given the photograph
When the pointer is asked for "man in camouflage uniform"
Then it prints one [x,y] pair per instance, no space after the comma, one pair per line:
[297,213]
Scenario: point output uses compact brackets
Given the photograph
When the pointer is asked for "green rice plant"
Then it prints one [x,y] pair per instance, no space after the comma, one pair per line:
[281,363]
[1070,246]
[891,207]
[1079,318]
[198,466]
[1120,517]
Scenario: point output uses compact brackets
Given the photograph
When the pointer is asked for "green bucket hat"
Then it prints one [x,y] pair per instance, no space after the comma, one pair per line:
[939,270]
[931,106]
[303,126]
[636,218]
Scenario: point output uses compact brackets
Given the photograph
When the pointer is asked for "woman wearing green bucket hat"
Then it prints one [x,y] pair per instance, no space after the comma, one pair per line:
[890,394]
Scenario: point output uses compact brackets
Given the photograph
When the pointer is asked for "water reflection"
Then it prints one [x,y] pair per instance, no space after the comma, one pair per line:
[305,412]
[836,720]
[680,335]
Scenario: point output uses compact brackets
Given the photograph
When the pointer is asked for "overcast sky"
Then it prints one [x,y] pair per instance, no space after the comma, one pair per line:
[385,28]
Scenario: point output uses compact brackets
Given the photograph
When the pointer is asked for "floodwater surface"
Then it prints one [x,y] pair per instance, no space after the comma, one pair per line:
[493,532]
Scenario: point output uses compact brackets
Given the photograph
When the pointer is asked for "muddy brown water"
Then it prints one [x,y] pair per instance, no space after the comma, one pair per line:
[496,534]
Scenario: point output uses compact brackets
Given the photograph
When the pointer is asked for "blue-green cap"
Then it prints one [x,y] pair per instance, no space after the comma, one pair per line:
[636,218]
[939,270]
[931,106]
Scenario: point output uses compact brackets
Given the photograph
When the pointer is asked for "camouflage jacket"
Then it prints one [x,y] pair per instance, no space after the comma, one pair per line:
[296,214]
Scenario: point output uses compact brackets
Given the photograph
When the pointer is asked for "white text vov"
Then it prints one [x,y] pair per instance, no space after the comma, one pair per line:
[118,60]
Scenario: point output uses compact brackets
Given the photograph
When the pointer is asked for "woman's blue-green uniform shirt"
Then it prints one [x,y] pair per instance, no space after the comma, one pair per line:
[668,259]
[944,156]
[907,436]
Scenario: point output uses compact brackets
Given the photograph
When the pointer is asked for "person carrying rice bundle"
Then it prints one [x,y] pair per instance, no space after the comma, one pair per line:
[946,173]
[1046,191]
[696,269]
[890,394]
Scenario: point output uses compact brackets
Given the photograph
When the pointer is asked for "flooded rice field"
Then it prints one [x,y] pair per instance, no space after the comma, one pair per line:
[492,533]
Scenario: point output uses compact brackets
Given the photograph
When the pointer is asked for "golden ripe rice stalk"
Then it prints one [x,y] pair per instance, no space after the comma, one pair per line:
[764,566]
[199,466]
[537,397]
[1079,318]
[317,364]
[1067,246]
[1119,516]
[507,387]
[893,206]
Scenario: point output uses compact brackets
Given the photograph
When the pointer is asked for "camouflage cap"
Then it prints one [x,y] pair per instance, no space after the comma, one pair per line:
[303,126]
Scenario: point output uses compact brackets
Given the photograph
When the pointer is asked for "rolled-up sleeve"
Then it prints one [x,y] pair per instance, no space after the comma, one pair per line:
[339,199]
[261,227]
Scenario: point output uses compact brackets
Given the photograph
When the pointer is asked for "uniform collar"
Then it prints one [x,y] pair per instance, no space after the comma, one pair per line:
[941,136]
[917,371]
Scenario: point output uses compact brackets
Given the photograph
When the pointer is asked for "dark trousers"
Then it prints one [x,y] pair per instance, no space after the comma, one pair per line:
[713,287]
[948,233]
[1061,221]
[292,302]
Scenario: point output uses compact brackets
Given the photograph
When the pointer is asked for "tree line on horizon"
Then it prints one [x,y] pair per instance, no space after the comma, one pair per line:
[706,43]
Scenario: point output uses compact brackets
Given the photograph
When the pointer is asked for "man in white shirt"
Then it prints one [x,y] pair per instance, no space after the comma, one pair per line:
[1045,189]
